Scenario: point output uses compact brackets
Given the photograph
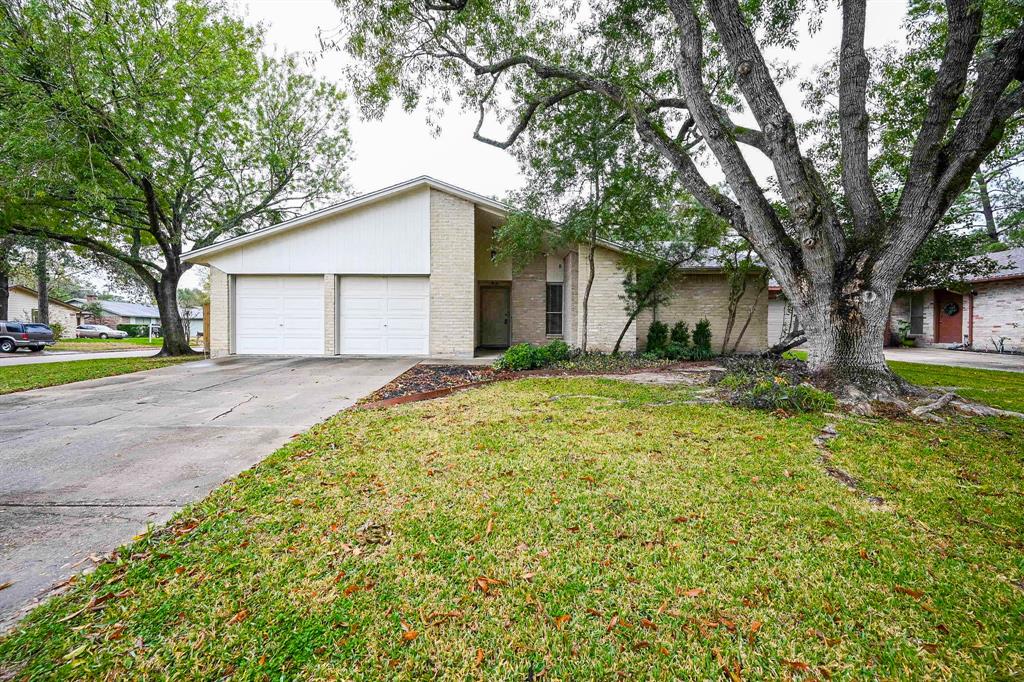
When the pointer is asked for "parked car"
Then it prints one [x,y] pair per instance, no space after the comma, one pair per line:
[99,331]
[32,335]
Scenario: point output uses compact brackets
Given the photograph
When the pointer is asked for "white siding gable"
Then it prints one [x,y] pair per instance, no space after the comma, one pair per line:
[390,237]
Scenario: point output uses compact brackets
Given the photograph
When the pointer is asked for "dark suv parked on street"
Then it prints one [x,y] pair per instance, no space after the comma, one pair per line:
[32,335]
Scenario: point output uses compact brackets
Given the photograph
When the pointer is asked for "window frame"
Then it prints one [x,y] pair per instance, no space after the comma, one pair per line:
[916,300]
[550,314]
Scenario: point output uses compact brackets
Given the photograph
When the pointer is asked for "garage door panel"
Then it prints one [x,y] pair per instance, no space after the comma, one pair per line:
[383,315]
[279,315]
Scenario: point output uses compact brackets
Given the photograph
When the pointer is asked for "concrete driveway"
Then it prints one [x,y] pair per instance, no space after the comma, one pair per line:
[957,358]
[87,466]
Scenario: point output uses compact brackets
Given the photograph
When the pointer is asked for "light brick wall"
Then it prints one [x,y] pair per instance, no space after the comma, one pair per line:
[452,277]
[571,295]
[330,313]
[998,311]
[695,296]
[529,290]
[900,310]
[606,314]
[220,313]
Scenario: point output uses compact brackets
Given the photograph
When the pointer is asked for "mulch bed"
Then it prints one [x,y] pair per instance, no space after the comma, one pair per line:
[433,381]
[427,378]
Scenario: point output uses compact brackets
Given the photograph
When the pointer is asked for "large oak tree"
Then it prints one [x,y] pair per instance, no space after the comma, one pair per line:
[139,129]
[680,71]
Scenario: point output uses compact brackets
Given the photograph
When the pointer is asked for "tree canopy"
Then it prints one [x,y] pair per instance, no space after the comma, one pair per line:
[141,128]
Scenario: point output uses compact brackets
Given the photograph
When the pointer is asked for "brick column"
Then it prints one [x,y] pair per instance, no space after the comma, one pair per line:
[452,276]
[220,313]
[330,313]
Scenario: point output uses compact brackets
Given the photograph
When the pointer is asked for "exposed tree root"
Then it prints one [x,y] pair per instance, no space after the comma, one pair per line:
[827,433]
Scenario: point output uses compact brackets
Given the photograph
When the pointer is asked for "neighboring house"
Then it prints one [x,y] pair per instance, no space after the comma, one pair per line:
[120,312]
[987,313]
[23,306]
[409,270]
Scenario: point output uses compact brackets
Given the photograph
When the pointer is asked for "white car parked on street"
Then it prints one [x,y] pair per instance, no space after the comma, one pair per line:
[99,331]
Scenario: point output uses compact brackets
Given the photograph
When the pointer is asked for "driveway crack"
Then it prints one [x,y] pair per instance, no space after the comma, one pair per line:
[232,408]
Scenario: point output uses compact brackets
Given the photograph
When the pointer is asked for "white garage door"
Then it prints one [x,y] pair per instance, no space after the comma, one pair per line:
[384,315]
[279,315]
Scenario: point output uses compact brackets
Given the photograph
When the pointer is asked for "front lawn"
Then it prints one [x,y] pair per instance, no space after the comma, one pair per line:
[1004,390]
[39,375]
[571,529]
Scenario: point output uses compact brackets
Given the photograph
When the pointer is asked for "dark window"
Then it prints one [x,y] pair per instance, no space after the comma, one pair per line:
[553,325]
[14,327]
[917,313]
[37,327]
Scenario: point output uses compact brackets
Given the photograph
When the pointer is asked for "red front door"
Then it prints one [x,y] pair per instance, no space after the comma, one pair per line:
[949,317]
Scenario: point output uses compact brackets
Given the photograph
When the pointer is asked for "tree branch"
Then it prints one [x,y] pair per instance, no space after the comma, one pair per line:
[853,122]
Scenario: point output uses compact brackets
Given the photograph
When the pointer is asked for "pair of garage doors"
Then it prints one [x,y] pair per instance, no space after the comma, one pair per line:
[284,315]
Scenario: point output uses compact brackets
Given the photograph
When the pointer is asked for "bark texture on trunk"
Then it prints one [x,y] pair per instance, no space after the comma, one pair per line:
[175,342]
[42,282]
[4,295]
[986,208]
[846,341]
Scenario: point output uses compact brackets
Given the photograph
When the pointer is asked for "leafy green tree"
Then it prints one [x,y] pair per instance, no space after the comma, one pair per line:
[837,234]
[138,129]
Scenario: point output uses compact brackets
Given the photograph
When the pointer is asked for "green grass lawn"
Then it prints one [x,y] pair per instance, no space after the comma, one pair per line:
[23,377]
[1004,390]
[506,533]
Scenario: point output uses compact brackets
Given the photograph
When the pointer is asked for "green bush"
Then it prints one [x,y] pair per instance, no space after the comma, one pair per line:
[137,331]
[518,358]
[779,394]
[553,352]
[702,338]
[58,330]
[681,334]
[657,337]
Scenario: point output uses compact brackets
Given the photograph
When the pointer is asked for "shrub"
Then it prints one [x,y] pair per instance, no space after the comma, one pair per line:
[137,331]
[58,330]
[702,338]
[518,358]
[681,334]
[779,394]
[676,351]
[553,352]
[657,337]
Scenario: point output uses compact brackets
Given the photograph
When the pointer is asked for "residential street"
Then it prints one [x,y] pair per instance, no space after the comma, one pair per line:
[88,466]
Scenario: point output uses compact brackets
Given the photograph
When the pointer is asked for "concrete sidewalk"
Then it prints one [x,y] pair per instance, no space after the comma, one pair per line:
[24,358]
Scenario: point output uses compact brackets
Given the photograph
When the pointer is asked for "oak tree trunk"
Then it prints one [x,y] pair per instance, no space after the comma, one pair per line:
[42,282]
[986,207]
[166,293]
[4,294]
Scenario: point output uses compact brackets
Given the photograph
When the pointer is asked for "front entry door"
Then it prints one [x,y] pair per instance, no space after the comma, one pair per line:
[494,308]
[949,316]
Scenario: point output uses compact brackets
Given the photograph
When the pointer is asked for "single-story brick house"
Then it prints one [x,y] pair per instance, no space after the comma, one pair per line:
[124,312]
[23,306]
[410,270]
[985,314]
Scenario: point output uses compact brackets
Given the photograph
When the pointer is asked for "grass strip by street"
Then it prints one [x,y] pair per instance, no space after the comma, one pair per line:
[40,375]
[105,345]
[571,529]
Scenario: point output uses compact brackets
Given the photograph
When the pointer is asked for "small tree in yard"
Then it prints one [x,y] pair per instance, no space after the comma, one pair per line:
[737,259]
[838,233]
[138,129]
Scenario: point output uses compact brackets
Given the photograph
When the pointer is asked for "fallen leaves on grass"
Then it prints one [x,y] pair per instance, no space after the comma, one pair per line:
[910,592]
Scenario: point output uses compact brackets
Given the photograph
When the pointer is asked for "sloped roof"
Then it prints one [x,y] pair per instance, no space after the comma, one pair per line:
[1010,262]
[124,309]
[492,205]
